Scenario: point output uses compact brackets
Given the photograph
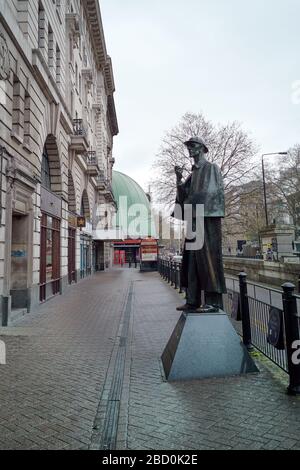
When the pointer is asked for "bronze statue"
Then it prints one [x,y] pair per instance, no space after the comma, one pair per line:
[202,269]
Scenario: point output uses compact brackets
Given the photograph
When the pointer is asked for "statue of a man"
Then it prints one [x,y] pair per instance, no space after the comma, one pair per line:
[202,269]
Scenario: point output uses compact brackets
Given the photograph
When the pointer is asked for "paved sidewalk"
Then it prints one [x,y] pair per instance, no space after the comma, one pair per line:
[84,372]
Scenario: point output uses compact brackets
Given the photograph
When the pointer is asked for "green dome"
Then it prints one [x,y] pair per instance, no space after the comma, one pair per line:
[123,185]
[128,214]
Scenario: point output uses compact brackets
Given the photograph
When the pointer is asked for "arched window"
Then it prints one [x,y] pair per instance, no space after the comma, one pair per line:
[82,212]
[46,182]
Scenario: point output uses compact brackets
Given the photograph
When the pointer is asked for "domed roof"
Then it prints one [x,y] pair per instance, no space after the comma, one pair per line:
[123,185]
[130,197]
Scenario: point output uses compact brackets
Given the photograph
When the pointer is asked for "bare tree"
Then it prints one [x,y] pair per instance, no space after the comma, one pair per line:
[229,146]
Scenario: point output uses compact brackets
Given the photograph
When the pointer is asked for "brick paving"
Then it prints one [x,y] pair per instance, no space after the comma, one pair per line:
[61,363]
[247,412]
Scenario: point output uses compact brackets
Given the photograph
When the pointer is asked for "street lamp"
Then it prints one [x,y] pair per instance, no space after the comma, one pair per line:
[264,181]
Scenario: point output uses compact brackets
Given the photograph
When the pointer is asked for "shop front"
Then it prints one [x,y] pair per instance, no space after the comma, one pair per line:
[72,222]
[87,254]
[127,251]
[50,274]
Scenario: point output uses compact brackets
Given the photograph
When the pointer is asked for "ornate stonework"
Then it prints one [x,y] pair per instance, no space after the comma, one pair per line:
[4,59]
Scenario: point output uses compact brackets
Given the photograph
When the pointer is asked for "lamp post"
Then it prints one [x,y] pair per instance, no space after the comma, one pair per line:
[264,181]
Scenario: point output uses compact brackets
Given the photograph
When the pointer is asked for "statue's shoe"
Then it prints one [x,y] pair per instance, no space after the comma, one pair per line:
[208,309]
[187,308]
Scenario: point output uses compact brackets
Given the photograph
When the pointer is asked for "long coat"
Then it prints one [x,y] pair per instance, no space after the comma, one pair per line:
[205,186]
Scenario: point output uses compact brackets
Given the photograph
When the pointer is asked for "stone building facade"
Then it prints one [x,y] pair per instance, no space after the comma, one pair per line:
[57,123]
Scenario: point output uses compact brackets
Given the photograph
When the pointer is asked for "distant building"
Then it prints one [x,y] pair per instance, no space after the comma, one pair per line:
[134,220]
[242,232]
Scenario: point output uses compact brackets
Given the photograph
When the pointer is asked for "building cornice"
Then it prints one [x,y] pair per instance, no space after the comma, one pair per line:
[93,13]
[109,76]
[103,60]
[112,115]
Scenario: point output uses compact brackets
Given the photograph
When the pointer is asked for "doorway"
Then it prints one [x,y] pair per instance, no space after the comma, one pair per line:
[19,261]
[71,255]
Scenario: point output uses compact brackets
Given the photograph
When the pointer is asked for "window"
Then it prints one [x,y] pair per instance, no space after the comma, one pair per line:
[85,61]
[49,257]
[58,65]
[71,49]
[27,137]
[41,30]
[50,48]
[58,10]
[45,173]
[18,109]
[72,103]
[76,76]
[49,248]
[82,208]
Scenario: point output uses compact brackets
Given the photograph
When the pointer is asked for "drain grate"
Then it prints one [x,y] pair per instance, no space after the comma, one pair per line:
[110,427]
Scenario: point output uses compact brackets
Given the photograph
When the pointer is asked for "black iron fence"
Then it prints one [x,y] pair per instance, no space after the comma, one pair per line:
[266,318]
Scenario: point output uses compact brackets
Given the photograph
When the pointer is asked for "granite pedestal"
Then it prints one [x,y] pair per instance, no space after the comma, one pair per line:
[205,345]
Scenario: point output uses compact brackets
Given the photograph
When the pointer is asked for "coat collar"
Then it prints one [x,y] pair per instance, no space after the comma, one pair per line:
[199,165]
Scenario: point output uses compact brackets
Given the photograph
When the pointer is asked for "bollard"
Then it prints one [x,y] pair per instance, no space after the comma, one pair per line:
[292,337]
[246,325]
[180,283]
[176,274]
[172,273]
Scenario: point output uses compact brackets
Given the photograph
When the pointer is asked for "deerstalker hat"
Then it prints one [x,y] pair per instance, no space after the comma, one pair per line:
[196,140]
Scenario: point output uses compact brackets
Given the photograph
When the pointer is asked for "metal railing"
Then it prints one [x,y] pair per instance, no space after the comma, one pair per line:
[266,318]
[78,127]
[91,158]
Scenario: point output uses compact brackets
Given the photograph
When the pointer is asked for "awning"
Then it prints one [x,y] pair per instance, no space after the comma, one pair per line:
[108,234]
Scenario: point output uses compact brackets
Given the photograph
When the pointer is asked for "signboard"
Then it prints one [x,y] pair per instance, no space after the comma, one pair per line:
[291,260]
[72,220]
[81,222]
[149,256]
[275,328]
[148,253]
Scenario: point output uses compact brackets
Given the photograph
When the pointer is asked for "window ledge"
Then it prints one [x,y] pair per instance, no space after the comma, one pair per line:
[16,137]
[26,147]
[59,15]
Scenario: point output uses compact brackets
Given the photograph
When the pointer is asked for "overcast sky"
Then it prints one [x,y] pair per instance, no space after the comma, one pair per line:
[230,59]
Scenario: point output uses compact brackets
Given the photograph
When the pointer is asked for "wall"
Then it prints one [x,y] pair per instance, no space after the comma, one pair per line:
[267,272]
[35,104]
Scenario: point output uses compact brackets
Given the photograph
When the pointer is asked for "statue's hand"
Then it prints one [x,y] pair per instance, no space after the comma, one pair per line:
[178,173]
